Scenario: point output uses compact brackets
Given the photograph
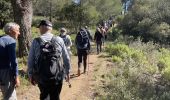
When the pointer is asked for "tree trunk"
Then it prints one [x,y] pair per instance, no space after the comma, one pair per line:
[23,16]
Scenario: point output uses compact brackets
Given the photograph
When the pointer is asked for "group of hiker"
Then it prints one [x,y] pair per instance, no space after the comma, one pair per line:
[49,59]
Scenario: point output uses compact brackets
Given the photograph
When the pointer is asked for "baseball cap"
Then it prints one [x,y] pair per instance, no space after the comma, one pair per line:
[45,23]
[63,29]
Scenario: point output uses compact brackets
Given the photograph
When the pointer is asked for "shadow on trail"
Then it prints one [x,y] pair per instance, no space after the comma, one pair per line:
[75,75]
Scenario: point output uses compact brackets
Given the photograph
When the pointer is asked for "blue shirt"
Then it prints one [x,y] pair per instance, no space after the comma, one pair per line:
[8,58]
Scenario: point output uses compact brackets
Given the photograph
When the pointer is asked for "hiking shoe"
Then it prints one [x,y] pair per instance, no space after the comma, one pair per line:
[78,72]
[84,71]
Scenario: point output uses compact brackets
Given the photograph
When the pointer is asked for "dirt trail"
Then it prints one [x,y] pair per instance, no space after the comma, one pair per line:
[81,86]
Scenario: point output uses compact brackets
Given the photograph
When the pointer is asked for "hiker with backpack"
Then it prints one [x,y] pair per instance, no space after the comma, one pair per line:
[9,78]
[98,37]
[82,43]
[67,40]
[48,63]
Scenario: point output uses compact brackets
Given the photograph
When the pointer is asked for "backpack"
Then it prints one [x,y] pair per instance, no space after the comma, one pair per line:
[82,40]
[49,66]
[65,39]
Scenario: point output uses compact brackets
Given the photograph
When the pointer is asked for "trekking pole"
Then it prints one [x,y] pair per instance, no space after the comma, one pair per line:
[69,84]
[87,64]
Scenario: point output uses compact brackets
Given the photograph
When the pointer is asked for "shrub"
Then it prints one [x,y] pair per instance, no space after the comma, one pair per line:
[137,76]
[116,59]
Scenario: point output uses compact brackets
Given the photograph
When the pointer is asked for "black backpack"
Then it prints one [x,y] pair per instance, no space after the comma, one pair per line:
[49,66]
[82,40]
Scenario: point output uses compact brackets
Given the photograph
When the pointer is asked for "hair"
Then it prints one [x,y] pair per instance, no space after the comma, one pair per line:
[48,27]
[9,26]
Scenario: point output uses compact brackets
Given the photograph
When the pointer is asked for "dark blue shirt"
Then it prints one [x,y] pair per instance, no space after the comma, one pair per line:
[8,58]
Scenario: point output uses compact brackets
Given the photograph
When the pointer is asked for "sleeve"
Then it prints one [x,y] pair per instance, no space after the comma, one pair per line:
[88,32]
[66,58]
[76,40]
[89,46]
[95,35]
[31,58]
[69,41]
[13,59]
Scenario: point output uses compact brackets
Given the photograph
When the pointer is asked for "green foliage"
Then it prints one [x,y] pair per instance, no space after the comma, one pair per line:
[148,19]
[5,12]
[142,72]
[164,63]
[1,32]
[116,59]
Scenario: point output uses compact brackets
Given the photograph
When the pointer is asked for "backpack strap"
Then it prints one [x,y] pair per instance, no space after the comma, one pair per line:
[39,40]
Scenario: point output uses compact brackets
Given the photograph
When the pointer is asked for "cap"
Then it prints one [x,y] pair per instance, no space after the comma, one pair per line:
[45,23]
[63,29]
[86,27]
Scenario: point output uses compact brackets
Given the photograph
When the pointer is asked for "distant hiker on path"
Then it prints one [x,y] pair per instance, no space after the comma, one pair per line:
[67,40]
[9,78]
[83,46]
[98,36]
[48,63]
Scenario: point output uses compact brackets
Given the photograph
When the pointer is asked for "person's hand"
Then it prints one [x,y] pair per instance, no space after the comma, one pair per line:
[33,82]
[17,81]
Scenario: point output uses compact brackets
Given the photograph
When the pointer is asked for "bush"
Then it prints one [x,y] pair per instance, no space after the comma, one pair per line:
[143,72]
[116,59]
[144,21]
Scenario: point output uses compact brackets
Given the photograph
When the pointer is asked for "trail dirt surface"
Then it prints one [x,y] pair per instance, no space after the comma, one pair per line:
[81,87]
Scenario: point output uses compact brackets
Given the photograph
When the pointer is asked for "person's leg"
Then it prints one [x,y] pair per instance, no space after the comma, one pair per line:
[97,44]
[8,92]
[100,46]
[105,36]
[44,92]
[7,85]
[103,40]
[55,91]
[85,60]
[79,61]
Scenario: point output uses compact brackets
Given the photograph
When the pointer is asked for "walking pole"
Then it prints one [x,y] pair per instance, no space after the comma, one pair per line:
[69,84]
[88,63]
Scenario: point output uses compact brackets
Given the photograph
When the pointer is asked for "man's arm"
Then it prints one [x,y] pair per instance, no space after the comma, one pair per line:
[95,35]
[66,58]
[76,40]
[13,61]
[31,59]
[69,41]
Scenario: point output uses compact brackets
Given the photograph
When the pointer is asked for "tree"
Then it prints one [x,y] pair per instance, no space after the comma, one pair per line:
[49,8]
[23,16]
[5,12]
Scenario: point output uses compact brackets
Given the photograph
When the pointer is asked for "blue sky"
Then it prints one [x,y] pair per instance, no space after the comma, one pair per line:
[76,1]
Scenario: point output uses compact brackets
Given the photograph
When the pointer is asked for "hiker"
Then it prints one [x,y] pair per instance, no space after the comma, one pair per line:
[9,78]
[83,46]
[88,32]
[98,38]
[67,40]
[48,63]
